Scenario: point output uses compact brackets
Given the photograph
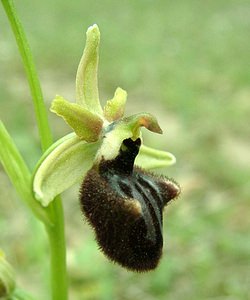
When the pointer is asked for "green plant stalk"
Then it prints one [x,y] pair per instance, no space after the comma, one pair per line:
[56,232]
[28,62]
[59,280]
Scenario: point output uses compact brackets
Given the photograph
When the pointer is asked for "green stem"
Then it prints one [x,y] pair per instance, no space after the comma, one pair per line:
[55,232]
[59,284]
[28,62]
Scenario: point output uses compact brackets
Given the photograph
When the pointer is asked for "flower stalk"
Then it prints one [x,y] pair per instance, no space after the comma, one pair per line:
[31,73]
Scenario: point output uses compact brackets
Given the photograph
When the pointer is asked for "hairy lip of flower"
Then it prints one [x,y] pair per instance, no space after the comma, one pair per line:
[124,205]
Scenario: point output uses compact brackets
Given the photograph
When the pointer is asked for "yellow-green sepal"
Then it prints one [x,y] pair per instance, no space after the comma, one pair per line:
[87,94]
[63,164]
[150,158]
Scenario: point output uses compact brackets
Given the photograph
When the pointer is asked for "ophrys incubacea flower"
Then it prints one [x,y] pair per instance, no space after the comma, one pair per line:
[121,200]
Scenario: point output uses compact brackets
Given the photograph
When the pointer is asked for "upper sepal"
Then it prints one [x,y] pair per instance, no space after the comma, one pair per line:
[87,94]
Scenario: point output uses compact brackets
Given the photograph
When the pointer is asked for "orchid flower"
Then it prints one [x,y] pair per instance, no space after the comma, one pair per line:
[106,145]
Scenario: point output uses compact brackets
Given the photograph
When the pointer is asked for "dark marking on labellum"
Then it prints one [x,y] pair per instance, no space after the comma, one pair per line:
[124,205]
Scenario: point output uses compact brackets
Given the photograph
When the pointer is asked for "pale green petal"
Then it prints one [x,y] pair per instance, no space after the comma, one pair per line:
[149,158]
[87,125]
[128,127]
[114,108]
[86,78]
[62,165]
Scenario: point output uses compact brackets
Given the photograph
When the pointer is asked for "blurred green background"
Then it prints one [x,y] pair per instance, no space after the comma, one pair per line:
[186,62]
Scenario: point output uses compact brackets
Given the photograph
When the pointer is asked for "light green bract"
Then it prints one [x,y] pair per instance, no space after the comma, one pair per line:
[98,133]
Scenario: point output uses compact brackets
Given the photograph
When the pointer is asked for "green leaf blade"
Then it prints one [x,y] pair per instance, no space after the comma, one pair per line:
[19,174]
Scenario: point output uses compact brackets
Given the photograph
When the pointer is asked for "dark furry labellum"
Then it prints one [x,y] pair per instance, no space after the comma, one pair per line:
[124,205]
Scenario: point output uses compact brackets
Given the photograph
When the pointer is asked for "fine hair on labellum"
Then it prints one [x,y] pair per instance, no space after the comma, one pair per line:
[124,204]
